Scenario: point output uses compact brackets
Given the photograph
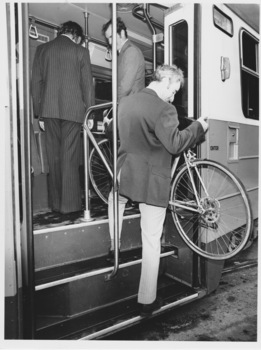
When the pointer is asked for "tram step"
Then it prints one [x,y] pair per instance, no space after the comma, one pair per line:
[49,277]
[108,319]
[79,287]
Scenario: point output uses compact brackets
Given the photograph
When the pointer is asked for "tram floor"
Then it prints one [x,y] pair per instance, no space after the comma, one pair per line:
[98,209]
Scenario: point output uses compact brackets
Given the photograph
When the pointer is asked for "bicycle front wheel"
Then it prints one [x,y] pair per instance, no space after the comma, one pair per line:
[211,210]
[99,175]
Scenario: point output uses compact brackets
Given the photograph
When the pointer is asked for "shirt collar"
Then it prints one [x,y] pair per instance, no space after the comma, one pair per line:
[68,37]
[123,45]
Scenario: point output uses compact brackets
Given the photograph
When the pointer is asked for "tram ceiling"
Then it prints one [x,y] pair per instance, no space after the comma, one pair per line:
[98,14]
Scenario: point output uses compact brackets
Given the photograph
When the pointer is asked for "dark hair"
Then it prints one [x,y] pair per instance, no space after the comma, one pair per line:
[120,26]
[173,72]
[71,28]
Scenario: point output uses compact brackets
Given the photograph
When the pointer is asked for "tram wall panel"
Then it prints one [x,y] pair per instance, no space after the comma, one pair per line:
[77,242]
[180,266]
[11,317]
[246,166]
[87,294]
[212,273]
[40,193]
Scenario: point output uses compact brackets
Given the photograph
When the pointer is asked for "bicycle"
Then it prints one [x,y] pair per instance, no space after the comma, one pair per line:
[210,208]
[208,203]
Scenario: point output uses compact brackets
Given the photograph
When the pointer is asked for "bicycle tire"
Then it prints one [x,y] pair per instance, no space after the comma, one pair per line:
[99,176]
[224,228]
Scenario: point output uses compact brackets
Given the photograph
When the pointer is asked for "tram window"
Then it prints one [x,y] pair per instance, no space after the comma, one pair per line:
[179,41]
[249,76]
[249,51]
[103,90]
[222,21]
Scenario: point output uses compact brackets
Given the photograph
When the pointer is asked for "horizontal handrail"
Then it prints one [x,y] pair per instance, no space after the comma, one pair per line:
[93,273]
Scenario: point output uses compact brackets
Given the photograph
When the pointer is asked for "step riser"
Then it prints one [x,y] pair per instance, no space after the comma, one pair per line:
[79,242]
[87,294]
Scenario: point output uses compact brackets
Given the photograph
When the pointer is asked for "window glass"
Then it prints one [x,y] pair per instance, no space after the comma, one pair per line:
[249,76]
[179,39]
[222,21]
[103,90]
[249,51]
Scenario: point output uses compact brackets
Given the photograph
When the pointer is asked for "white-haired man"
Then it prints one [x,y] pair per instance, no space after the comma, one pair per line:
[149,137]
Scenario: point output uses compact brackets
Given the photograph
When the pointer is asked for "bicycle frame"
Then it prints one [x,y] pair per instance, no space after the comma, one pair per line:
[189,157]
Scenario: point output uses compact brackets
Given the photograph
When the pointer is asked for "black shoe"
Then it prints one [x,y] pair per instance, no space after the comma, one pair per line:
[148,309]
[110,257]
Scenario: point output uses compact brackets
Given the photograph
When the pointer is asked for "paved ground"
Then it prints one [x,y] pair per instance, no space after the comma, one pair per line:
[229,314]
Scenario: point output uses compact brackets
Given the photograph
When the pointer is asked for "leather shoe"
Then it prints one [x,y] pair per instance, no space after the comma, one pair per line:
[148,309]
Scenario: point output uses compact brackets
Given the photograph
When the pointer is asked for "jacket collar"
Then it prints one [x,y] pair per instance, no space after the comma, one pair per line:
[149,91]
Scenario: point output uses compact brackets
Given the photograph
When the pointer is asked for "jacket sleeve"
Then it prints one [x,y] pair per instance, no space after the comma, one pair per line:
[86,79]
[36,83]
[174,140]
[130,64]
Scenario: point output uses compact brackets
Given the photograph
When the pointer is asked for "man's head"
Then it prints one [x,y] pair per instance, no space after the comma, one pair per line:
[74,30]
[169,79]
[122,34]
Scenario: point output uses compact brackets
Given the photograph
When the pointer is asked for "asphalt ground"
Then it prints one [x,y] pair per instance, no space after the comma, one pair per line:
[229,314]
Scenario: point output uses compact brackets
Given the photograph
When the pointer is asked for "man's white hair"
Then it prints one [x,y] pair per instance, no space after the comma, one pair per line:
[172,72]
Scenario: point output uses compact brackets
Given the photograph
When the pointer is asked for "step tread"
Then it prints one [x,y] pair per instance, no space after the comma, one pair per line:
[61,272]
[80,326]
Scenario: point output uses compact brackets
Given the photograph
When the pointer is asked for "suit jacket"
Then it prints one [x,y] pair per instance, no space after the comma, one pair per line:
[131,70]
[149,136]
[62,84]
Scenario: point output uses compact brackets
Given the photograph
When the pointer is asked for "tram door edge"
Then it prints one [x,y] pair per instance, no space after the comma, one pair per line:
[182,32]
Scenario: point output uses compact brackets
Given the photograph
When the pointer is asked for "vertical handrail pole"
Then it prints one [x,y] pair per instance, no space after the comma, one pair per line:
[145,10]
[86,213]
[115,143]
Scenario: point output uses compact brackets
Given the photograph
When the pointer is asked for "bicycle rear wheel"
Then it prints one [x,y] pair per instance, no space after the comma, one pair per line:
[218,227]
[99,176]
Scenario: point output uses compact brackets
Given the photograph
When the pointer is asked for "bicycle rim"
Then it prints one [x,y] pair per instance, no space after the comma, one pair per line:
[99,176]
[220,226]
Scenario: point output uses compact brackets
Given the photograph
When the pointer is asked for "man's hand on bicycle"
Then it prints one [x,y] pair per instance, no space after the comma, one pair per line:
[203,122]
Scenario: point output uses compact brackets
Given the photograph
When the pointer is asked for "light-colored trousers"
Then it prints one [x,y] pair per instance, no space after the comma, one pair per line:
[152,220]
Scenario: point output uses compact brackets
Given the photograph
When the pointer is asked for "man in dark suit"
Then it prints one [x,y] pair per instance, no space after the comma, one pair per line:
[131,63]
[62,90]
[149,137]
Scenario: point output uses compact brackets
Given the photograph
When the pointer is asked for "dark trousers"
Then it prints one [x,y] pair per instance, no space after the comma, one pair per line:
[63,147]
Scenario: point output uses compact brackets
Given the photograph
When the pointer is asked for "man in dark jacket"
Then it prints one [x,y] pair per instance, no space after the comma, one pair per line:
[131,63]
[149,137]
[62,90]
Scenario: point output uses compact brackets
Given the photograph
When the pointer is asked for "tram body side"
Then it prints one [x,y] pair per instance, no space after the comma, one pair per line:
[225,99]
[84,244]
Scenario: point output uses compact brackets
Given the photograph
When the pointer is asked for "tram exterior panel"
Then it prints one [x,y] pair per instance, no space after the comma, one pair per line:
[233,135]
[222,100]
